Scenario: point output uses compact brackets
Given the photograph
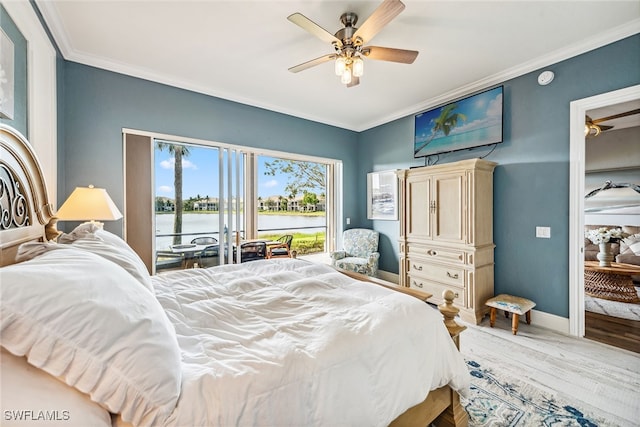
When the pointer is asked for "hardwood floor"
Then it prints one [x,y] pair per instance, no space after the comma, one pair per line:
[600,375]
[622,333]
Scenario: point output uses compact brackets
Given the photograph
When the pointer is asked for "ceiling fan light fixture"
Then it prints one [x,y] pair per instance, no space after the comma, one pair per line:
[349,42]
[591,130]
[346,76]
[341,65]
[358,67]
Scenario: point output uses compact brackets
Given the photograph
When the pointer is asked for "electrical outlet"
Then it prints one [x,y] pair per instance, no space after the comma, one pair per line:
[543,232]
[348,221]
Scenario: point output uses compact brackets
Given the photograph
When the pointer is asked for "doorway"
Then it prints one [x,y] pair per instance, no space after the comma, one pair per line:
[578,110]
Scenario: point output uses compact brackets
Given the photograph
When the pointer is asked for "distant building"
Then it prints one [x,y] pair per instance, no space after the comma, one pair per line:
[281,203]
[210,204]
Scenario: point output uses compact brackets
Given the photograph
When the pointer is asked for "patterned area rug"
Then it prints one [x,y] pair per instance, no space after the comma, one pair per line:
[496,400]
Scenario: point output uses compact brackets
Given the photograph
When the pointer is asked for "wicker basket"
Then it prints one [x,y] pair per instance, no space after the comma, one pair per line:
[609,286]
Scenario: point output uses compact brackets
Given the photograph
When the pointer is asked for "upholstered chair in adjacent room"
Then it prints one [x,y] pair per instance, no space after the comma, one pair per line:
[360,252]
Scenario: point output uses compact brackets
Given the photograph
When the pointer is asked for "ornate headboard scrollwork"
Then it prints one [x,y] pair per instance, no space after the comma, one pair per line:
[26,213]
[13,204]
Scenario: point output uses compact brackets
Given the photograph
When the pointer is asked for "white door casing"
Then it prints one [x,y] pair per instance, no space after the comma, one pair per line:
[578,111]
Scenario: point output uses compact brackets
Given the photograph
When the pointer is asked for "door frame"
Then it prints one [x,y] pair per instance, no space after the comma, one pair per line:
[578,110]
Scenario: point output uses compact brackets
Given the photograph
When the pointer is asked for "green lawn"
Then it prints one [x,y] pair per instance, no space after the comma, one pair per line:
[302,243]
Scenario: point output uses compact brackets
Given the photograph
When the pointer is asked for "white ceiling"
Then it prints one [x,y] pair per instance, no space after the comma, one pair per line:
[632,120]
[241,50]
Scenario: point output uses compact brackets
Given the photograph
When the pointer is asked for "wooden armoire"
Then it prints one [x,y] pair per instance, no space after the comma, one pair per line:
[446,233]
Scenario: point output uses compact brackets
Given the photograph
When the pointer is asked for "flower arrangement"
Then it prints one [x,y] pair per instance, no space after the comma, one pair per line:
[606,235]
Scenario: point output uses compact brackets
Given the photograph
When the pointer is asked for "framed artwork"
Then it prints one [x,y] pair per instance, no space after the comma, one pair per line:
[382,195]
[6,77]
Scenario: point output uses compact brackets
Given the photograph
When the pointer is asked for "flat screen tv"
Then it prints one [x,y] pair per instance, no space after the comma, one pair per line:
[460,125]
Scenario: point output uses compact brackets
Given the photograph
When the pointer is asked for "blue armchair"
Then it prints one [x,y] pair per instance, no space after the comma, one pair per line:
[360,252]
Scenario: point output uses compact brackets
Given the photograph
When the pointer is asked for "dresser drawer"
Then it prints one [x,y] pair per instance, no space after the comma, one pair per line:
[441,273]
[436,289]
[439,254]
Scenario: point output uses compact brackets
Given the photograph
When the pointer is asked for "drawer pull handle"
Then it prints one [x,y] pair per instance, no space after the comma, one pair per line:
[417,284]
[432,252]
[453,276]
[419,268]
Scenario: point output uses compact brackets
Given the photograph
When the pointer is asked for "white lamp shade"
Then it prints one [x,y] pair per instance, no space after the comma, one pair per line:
[88,204]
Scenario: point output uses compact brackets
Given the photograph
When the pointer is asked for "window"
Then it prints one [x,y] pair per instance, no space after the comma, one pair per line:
[225,194]
[292,201]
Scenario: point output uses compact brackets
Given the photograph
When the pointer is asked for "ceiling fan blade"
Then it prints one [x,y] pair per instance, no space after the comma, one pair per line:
[380,17]
[616,116]
[390,54]
[312,63]
[354,81]
[315,29]
[605,127]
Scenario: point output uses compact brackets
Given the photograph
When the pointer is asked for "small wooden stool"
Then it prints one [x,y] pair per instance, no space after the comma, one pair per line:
[510,304]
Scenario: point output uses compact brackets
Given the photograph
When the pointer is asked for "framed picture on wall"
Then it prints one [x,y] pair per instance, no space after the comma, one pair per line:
[382,195]
[6,76]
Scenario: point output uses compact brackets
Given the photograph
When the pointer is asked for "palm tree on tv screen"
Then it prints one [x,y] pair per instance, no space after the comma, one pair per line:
[447,120]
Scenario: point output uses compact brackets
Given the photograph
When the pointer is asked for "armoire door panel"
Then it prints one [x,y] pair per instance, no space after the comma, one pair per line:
[449,207]
[418,197]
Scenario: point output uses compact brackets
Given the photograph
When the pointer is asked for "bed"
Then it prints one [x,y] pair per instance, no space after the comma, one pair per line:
[84,328]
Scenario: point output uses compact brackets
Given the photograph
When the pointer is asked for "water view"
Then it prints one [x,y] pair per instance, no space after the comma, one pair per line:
[194,225]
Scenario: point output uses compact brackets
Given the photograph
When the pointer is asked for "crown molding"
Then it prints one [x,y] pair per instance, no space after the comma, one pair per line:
[592,43]
[618,33]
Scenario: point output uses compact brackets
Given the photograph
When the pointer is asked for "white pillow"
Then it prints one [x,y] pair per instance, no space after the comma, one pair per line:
[31,397]
[83,319]
[90,237]
[630,245]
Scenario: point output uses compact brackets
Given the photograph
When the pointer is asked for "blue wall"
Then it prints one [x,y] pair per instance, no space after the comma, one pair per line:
[98,104]
[531,182]
[20,106]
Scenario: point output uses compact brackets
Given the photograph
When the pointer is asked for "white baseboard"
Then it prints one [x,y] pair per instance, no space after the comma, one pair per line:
[550,321]
[388,276]
[538,318]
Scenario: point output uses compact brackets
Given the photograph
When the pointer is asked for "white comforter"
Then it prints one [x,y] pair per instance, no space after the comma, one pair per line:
[290,343]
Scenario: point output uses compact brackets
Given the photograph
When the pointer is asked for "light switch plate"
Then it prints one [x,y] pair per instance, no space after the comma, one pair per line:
[543,232]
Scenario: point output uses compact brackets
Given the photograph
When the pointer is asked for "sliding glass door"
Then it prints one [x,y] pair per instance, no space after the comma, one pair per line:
[199,204]
[191,202]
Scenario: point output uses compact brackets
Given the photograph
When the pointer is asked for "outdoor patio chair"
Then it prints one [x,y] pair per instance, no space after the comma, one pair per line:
[283,250]
[204,240]
[252,251]
[209,256]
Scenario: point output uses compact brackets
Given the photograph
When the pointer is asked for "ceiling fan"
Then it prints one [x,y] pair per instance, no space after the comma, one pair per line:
[349,42]
[593,128]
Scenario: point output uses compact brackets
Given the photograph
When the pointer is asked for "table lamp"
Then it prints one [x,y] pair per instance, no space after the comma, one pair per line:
[89,204]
